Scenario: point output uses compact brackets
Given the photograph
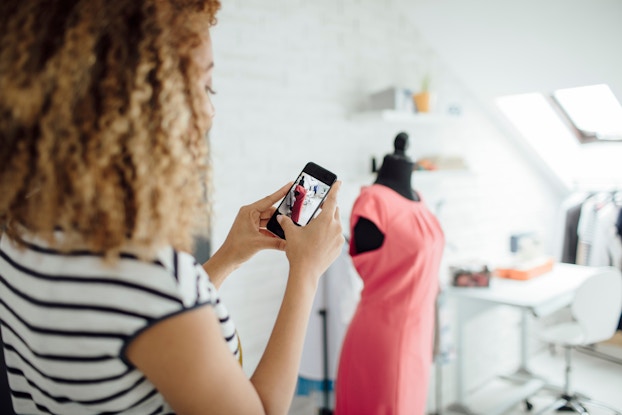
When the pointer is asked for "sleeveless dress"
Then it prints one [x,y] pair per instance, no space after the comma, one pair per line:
[386,356]
[301,193]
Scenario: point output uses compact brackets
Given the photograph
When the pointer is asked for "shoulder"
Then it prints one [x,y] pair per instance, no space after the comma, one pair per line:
[186,277]
[168,281]
[372,197]
[372,203]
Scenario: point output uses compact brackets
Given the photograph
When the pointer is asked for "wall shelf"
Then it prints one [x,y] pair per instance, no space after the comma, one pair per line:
[403,117]
[462,172]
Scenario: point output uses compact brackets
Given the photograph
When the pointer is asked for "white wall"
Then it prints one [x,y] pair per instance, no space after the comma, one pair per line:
[288,74]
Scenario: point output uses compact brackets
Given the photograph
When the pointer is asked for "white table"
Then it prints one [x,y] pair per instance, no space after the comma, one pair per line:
[538,296]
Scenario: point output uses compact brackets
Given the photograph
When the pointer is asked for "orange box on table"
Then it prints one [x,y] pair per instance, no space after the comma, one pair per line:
[527,270]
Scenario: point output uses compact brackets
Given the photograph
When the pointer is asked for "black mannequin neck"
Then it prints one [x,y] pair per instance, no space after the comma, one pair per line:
[395,173]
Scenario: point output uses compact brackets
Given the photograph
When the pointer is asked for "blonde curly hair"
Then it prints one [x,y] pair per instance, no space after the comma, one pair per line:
[102,122]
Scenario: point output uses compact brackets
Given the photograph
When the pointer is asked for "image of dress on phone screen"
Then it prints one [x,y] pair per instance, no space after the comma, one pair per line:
[299,193]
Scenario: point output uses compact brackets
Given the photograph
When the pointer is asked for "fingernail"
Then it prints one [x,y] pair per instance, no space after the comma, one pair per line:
[279,218]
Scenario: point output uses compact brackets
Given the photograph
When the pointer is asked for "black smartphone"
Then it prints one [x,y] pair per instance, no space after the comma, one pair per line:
[304,198]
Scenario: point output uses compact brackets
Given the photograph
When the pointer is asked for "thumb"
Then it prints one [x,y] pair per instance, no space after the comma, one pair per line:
[285,222]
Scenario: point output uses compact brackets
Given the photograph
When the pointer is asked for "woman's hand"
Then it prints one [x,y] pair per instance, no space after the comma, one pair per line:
[246,237]
[312,248]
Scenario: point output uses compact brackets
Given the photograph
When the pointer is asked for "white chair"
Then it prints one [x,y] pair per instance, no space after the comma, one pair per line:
[596,311]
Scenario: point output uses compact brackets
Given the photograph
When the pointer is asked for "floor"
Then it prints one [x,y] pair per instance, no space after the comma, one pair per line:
[592,376]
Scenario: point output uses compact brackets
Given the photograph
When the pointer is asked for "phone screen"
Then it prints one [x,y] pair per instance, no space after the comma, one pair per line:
[303,200]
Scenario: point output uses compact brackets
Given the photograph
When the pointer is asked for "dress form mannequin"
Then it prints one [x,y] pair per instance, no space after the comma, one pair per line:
[396,246]
[395,174]
[397,169]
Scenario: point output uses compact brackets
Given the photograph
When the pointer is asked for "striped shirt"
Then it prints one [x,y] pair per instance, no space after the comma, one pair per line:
[66,319]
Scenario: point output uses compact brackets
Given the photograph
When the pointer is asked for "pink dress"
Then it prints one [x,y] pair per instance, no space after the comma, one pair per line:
[386,355]
[301,193]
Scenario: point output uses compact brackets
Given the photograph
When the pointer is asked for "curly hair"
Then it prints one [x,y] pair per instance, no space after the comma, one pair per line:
[102,122]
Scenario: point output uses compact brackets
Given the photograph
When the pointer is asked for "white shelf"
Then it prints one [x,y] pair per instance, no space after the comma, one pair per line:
[403,116]
[464,172]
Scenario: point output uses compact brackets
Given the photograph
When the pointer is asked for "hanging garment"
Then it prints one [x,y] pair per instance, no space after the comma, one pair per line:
[606,246]
[569,214]
[386,356]
[599,244]
[585,230]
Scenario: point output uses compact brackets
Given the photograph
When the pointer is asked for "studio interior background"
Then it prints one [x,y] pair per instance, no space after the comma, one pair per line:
[293,79]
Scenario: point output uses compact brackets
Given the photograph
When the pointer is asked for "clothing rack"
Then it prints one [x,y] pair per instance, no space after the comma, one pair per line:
[603,192]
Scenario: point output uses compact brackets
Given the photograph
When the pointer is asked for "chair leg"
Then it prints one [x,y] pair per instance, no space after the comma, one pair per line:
[577,407]
[592,402]
[573,402]
[566,402]
[567,351]
[566,407]
[553,406]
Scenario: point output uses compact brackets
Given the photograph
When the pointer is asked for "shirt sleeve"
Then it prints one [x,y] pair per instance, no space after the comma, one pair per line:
[179,284]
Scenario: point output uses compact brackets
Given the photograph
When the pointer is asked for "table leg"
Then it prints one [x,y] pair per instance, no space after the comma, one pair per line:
[524,342]
[523,373]
[460,406]
[527,383]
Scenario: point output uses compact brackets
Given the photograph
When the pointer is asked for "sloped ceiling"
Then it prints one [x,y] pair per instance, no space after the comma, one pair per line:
[506,47]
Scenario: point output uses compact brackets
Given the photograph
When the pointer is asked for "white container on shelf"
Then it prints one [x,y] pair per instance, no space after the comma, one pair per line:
[393,98]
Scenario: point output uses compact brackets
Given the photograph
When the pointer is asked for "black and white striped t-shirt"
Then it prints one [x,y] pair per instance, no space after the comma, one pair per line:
[66,319]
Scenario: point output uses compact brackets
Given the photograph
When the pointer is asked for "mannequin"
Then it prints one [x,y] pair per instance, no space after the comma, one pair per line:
[396,246]
[394,173]
[397,169]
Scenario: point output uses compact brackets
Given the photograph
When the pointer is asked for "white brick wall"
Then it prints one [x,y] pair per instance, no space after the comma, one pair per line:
[288,74]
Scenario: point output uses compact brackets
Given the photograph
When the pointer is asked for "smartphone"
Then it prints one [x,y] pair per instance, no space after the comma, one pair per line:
[304,198]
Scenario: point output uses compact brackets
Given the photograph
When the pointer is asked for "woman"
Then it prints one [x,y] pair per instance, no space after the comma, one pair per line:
[103,112]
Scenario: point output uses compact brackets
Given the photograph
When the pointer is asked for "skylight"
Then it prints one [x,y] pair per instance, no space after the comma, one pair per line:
[535,119]
[593,111]
[552,133]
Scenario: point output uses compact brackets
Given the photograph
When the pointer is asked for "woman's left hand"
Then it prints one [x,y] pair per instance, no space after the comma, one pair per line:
[246,237]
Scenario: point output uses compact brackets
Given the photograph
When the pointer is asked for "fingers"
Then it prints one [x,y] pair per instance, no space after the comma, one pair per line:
[265,216]
[330,203]
[270,241]
[270,200]
[285,222]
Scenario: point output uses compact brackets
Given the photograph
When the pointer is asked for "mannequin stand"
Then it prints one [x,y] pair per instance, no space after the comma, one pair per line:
[325,409]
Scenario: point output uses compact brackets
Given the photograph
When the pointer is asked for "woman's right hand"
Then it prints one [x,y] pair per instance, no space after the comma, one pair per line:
[312,248]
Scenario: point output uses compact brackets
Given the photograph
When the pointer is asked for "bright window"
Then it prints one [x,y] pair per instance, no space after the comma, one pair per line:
[537,122]
[593,111]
